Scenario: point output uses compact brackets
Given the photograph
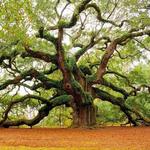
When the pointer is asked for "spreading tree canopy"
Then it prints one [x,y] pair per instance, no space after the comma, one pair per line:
[70,52]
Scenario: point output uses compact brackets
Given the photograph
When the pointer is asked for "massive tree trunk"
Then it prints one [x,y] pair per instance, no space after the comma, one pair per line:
[84,116]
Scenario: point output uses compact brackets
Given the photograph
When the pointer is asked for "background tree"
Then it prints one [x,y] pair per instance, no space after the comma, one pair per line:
[71,52]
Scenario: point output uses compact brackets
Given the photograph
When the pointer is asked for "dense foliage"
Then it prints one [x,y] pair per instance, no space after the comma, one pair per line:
[92,57]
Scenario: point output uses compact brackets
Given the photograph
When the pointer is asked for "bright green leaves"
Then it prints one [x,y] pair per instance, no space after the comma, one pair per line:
[59,116]
[62,22]
[44,13]
[142,19]
[14,19]
[108,113]
[146,44]
[16,27]
[140,74]
[140,103]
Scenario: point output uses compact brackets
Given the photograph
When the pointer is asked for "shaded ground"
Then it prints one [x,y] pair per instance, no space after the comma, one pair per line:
[118,138]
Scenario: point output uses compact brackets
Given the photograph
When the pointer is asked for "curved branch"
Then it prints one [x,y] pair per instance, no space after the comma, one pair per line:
[93,42]
[43,112]
[128,56]
[114,100]
[21,100]
[121,103]
[111,48]
[8,56]
[81,7]
[102,67]
[115,88]
[135,89]
[38,54]
[48,83]
[103,95]
[100,18]
[142,45]
[132,35]
[120,75]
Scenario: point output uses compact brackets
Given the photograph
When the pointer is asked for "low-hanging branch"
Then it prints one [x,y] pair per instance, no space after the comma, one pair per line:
[43,112]
[20,100]
[121,102]
[103,95]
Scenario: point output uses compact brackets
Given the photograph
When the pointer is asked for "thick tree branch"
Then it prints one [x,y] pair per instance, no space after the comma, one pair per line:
[38,54]
[115,88]
[62,63]
[43,112]
[22,99]
[132,35]
[114,100]
[122,76]
[47,36]
[102,67]
[111,48]
[33,74]
[108,97]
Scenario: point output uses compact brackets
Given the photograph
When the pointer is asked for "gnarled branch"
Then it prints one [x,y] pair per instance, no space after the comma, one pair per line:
[43,112]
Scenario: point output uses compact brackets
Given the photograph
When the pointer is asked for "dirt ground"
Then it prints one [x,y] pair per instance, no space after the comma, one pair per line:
[118,138]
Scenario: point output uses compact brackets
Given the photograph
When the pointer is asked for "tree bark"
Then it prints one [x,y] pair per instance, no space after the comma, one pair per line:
[84,116]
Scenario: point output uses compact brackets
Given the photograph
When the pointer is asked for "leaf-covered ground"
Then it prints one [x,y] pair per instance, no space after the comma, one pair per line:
[108,138]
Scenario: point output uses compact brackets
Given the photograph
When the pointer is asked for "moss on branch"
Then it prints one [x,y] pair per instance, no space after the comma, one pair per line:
[103,95]
[46,82]
[43,111]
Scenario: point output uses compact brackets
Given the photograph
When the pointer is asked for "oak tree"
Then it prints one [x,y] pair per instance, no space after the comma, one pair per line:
[72,52]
